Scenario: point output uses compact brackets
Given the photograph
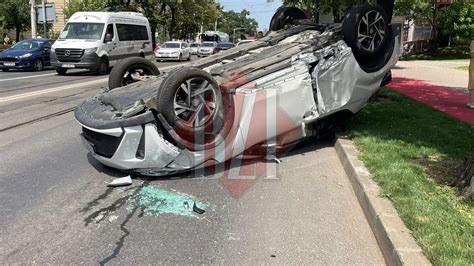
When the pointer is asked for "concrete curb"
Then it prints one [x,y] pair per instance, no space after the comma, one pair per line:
[395,240]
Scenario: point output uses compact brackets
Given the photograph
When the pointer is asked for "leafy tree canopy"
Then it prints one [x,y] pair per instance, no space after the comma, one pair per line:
[16,16]
[240,21]
[457,21]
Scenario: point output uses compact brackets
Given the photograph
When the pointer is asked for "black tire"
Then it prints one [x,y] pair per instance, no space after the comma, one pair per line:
[120,74]
[38,65]
[286,16]
[103,67]
[180,58]
[189,57]
[61,71]
[206,121]
[365,29]
[5,69]
[372,45]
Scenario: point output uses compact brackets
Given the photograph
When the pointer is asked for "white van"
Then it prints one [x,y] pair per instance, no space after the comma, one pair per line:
[99,40]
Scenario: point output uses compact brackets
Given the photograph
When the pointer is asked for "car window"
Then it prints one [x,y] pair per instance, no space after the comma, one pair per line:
[225,45]
[128,32]
[170,45]
[208,44]
[82,31]
[109,30]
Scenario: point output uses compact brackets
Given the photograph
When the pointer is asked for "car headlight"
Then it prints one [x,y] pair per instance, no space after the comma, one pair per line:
[25,55]
[91,50]
[175,52]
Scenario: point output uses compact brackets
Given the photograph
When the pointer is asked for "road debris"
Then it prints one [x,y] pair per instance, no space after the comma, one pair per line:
[197,210]
[155,200]
[121,182]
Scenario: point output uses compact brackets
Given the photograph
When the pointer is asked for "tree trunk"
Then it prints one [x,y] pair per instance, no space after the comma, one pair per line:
[466,180]
[153,37]
[18,31]
[172,22]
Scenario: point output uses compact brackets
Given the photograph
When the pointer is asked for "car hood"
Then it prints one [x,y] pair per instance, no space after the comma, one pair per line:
[169,50]
[15,53]
[206,48]
[78,44]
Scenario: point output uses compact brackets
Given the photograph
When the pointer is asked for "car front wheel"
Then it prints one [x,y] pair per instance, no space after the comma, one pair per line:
[61,71]
[38,65]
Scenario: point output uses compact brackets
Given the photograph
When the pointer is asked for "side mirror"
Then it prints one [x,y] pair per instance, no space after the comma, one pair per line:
[108,37]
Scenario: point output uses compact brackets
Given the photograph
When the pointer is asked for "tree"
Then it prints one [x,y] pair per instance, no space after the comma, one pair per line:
[466,179]
[181,19]
[16,15]
[86,5]
[231,20]
[457,22]
[336,7]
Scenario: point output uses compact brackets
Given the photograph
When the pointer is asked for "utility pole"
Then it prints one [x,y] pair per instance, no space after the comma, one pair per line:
[45,21]
[33,19]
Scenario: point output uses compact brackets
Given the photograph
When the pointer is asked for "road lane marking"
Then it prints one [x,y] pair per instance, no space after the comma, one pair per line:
[62,88]
[28,77]
[67,87]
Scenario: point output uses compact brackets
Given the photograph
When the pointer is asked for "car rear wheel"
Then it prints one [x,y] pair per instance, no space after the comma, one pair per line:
[61,71]
[285,16]
[367,31]
[38,65]
[131,70]
[191,102]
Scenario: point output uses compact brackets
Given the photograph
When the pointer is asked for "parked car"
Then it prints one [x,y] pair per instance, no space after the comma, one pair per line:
[99,40]
[222,46]
[173,51]
[194,48]
[28,54]
[299,81]
[244,42]
[207,49]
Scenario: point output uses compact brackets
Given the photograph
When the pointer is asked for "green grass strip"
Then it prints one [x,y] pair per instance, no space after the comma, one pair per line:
[412,152]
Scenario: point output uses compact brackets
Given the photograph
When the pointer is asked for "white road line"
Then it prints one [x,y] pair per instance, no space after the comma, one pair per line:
[67,87]
[35,93]
[29,77]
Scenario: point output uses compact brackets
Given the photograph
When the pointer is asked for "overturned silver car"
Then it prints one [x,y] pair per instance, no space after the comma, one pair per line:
[297,82]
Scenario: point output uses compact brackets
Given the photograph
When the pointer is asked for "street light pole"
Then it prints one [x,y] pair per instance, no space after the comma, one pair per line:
[45,23]
[33,19]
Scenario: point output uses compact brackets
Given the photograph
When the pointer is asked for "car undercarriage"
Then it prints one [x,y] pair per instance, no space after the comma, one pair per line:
[252,100]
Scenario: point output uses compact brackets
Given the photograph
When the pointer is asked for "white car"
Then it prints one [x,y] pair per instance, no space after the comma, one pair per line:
[194,47]
[253,101]
[207,49]
[173,51]
[244,42]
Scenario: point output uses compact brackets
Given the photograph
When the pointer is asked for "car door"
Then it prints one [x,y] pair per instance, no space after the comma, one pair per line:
[111,47]
[46,53]
[186,51]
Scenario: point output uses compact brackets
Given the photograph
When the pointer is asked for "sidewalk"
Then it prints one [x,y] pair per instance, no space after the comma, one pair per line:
[444,91]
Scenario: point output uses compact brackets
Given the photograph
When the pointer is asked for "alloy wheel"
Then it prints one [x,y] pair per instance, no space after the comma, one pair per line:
[195,102]
[371,31]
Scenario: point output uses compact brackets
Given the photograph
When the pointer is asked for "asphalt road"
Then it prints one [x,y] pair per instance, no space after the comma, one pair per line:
[56,208]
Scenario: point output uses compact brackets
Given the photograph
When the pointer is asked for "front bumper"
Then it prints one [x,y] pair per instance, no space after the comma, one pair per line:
[130,148]
[159,56]
[87,61]
[26,63]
